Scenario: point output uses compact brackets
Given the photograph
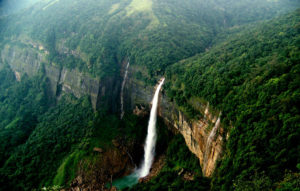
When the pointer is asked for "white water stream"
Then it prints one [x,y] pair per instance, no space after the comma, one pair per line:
[149,147]
[122,90]
[209,141]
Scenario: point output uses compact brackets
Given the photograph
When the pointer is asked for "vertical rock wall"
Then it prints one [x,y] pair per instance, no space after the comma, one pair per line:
[195,132]
[62,80]
[105,94]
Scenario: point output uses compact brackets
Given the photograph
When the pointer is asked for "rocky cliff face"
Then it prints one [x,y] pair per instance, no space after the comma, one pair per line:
[62,80]
[204,137]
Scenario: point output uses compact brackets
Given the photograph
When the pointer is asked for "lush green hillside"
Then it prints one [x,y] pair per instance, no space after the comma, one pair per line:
[20,105]
[34,139]
[42,144]
[97,35]
[220,51]
[253,78]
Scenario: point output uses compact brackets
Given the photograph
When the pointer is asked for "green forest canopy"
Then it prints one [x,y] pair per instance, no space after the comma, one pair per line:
[253,77]
[249,72]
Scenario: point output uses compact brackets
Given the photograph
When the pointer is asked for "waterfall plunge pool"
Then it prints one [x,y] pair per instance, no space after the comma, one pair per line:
[127,181]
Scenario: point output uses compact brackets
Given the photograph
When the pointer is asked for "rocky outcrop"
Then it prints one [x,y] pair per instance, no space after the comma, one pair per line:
[24,60]
[99,150]
[201,137]
[107,165]
[77,83]
[204,137]
[31,60]
[93,175]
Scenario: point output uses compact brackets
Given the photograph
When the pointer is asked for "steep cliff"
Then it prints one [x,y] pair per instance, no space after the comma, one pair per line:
[201,137]
[204,137]
[31,59]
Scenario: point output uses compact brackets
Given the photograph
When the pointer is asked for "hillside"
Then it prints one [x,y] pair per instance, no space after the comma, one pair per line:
[228,114]
[104,32]
[253,78]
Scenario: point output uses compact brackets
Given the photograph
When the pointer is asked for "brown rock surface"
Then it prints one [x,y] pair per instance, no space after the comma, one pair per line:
[197,132]
[96,149]
[93,175]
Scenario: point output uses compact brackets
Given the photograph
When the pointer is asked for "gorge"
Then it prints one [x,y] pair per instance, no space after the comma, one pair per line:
[100,91]
[194,132]
[149,95]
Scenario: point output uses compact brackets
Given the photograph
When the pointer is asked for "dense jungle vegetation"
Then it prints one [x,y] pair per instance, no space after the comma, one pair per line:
[253,77]
[35,139]
[240,56]
[42,146]
[154,34]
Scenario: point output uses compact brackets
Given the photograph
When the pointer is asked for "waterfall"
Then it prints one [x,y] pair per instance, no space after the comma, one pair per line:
[214,131]
[149,147]
[209,141]
[206,109]
[122,90]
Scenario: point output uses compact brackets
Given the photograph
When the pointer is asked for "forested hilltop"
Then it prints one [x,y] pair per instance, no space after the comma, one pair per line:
[238,58]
